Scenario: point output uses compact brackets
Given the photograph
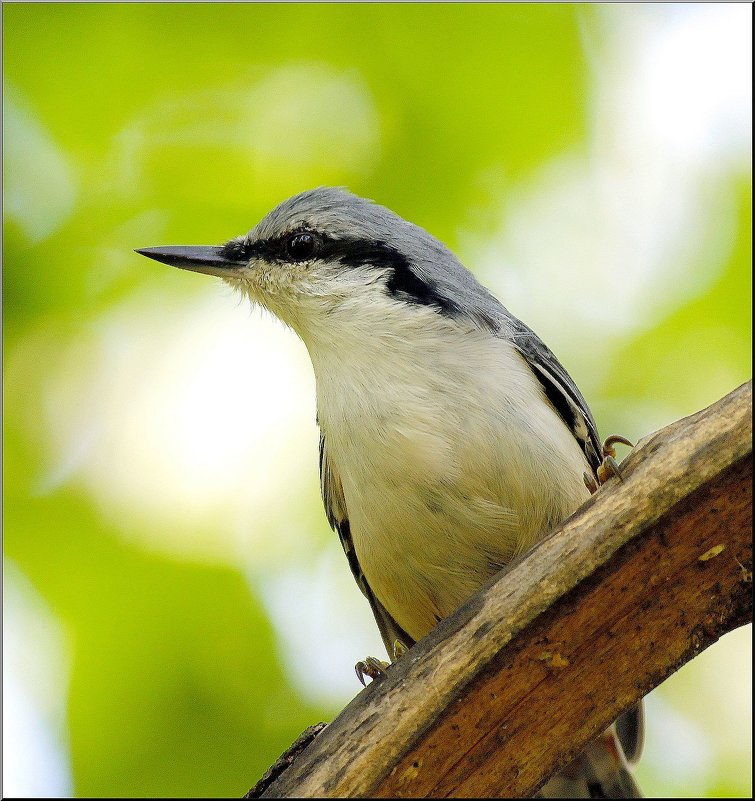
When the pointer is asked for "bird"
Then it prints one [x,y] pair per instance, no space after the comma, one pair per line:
[451,438]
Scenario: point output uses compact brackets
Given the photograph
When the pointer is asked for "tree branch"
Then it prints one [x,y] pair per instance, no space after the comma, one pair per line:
[648,573]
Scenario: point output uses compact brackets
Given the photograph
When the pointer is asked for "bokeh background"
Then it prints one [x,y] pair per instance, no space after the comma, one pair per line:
[176,608]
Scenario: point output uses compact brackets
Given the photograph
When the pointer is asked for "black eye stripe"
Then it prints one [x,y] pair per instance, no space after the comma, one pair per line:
[273,250]
[236,250]
[402,282]
[351,252]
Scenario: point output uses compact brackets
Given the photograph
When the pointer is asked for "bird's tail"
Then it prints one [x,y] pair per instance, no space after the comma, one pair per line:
[600,771]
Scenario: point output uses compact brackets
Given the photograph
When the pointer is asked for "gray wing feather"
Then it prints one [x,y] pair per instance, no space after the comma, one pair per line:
[560,390]
[335,510]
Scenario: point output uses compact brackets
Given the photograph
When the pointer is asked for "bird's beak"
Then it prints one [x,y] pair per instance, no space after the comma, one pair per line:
[198,258]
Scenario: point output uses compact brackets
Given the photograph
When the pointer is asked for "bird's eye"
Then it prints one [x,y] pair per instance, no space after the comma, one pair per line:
[301,246]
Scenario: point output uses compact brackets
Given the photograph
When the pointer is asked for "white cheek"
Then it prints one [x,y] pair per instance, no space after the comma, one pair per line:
[274,286]
[310,296]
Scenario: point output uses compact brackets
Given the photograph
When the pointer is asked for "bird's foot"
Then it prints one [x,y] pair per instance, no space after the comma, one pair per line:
[371,667]
[609,466]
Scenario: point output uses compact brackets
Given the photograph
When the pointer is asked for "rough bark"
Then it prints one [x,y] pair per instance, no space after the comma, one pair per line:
[648,573]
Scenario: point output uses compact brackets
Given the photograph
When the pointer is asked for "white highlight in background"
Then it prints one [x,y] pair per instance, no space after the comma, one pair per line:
[35,678]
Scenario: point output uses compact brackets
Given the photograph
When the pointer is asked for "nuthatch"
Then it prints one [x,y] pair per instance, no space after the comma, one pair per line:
[451,438]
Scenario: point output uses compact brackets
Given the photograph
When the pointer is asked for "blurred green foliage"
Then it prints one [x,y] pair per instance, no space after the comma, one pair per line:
[129,125]
[175,676]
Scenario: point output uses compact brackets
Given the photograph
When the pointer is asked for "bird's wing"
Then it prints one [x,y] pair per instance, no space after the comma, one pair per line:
[561,391]
[571,406]
[335,509]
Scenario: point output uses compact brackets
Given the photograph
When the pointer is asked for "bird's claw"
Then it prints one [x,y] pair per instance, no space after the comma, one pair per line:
[609,466]
[590,482]
[374,668]
[609,450]
[371,667]
[399,649]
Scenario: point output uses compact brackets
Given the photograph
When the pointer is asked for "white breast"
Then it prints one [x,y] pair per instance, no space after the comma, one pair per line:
[450,457]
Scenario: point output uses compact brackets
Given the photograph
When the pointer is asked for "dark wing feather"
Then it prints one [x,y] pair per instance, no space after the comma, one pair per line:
[630,729]
[560,390]
[335,509]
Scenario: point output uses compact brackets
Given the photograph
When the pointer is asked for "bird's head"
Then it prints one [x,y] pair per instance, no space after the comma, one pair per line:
[327,255]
